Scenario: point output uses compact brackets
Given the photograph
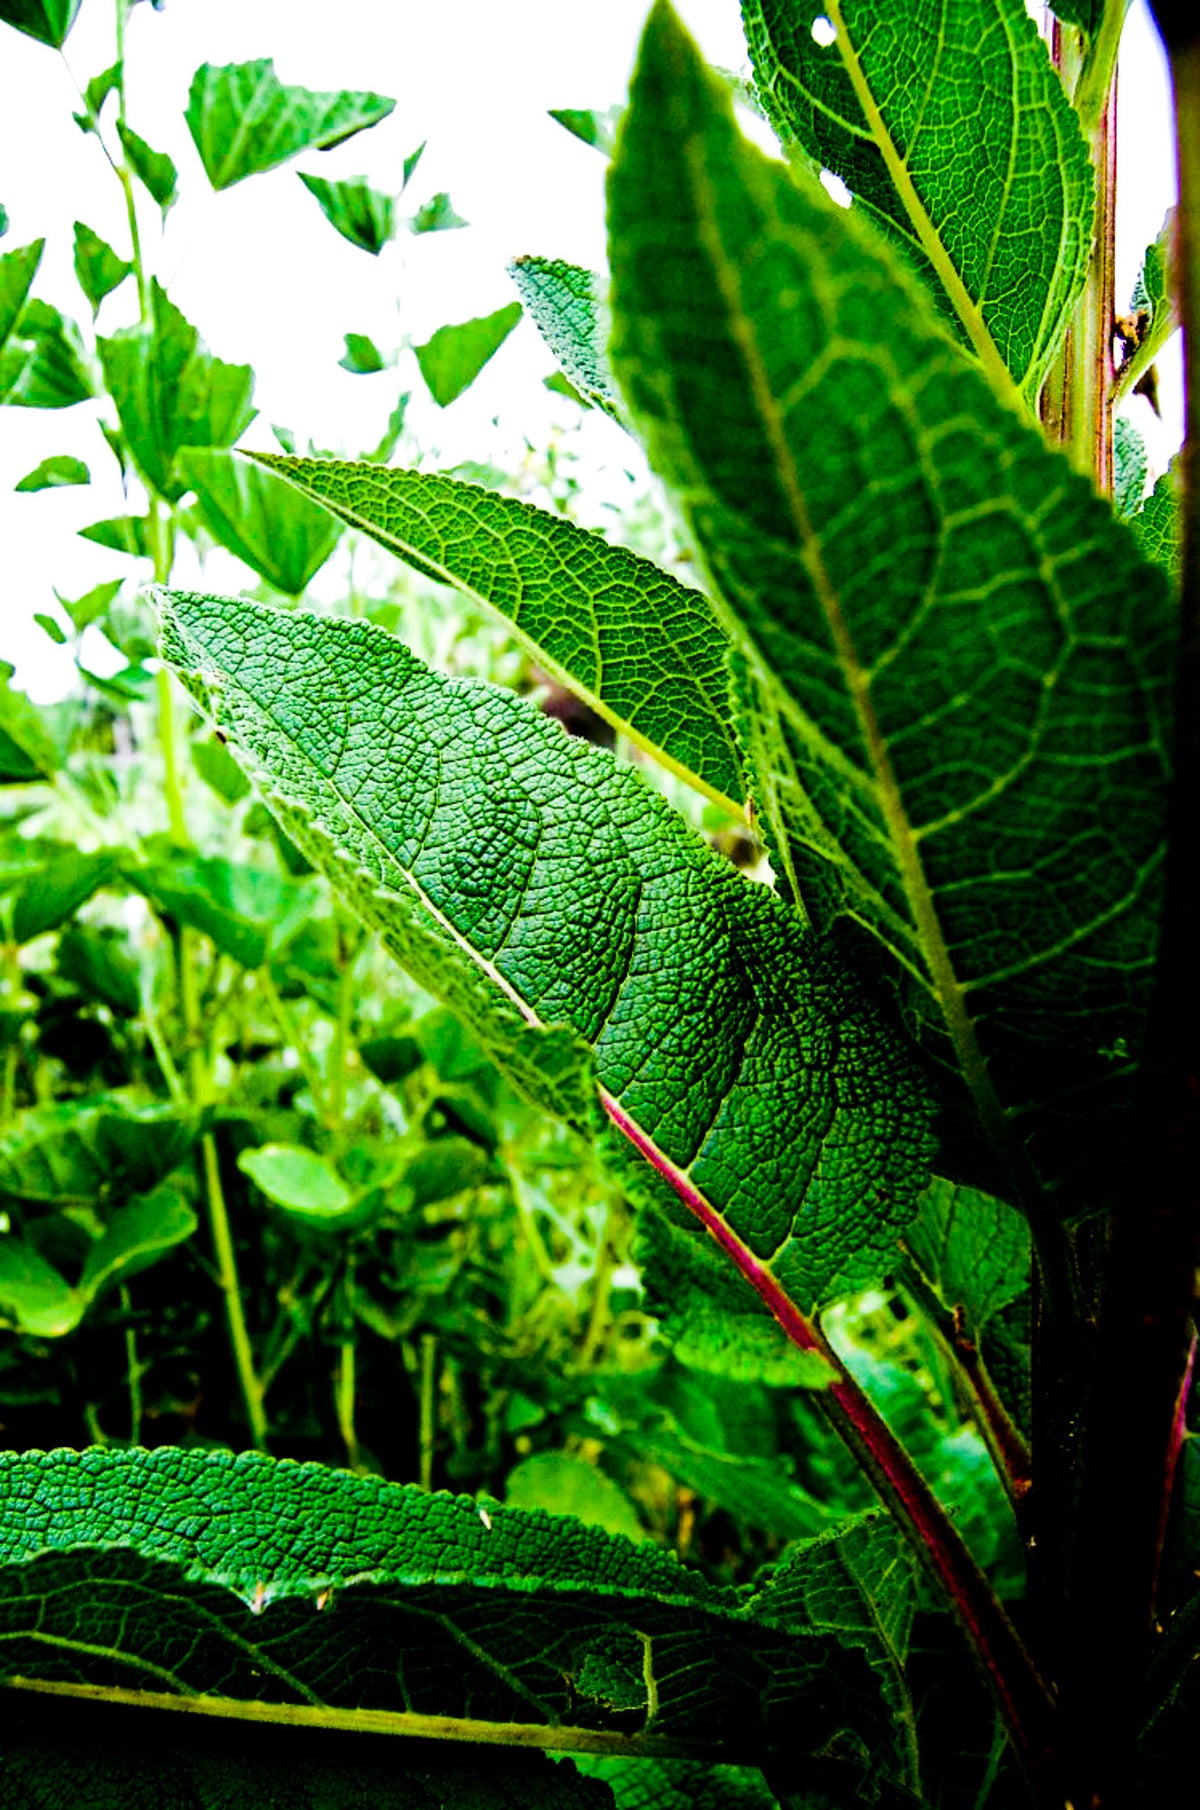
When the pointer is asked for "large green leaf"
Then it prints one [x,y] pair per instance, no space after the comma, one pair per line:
[17,271]
[679,1784]
[55,893]
[365,216]
[957,668]
[249,912]
[568,309]
[294,1591]
[171,392]
[642,649]
[90,1151]
[951,128]
[534,884]
[453,357]
[43,364]
[48,21]
[137,1236]
[972,1248]
[279,534]
[243,119]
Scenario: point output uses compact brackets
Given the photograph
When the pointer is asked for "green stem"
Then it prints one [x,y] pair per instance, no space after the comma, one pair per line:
[599,1317]
[264,980]
[347,1373]
[339,1048]
[125,177]
[1100,66]
[428,1425]
[133,1370]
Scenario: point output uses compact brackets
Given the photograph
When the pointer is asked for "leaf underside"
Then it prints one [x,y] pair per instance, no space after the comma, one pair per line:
[568,309]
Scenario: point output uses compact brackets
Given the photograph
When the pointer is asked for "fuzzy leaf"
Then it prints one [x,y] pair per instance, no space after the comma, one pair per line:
[535,885]
[243,119]
[279,534]
[955,668]
[567,306]
[1157,525]
[642,649]
[951,128]
[364,215]
[452,359]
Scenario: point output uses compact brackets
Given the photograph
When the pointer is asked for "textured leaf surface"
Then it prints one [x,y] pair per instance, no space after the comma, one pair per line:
[452,359]
[534,883]
[196,1763]
[958,667]
[972,1248]
[243,119]
[679,1784]
[275,1583]
[171,392]
[1157,525]
[643,650]
[568,309]
[279,534]
[55,472]
[950,126]
[364,215]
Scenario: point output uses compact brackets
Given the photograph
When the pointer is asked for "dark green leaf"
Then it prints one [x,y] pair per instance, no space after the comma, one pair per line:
[123,534]
[973,1249]
[91,1150]
[436,215]
[364,215]
[153,169]
[218,769]
[27,748]
[279,533]
[243,119]
[101,86]
[3,220]
[535,885]
[48,21]
[452,360]
[248,912]
[97,265]
[56,472]
[187,1572]
[596,129]
[98,962]
[171,392]
[1085,13]
[362,356]
[957,139]
[391,1059]
[42,366]
[50,897]
[136,1236]
[568,309]
[33,1296]
[642,649]
[957,668]
[17,271]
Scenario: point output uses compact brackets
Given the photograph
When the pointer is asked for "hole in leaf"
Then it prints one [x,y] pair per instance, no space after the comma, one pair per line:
[824,31]
[835,188]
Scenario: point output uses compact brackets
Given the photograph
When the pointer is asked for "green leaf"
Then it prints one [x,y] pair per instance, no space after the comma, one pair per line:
[198,1762]
[51,896]
[971,1248]
[1153,304]
[436,215]
[1157,525]
[136,1237]
[27,748]
[1084,13]
[279,533]
[298,1179]
[171,392]
[42,366]
[243,119]
[534,884]
[452,360]
[410,164]
[643,650]
[958,140]
[248,912]
[123,534]
[48,21]
[745,1348]
[596,129]
[93,605]
[218,769]
[564,1484]
[101,86]
[52,628]
[54,473]
[97,265]
[17,271]
[956,670]
[82,1152]
[33,1295]
[153,169]
[362,356]
[678,1784]
[98,962]
[3,220]
[294,1587]
[364,215]
[1130,465]
[568,308]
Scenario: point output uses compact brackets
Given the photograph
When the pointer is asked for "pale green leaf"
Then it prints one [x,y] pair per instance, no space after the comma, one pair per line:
[60,470]
[97,265]
[171,392]
[555,903]
[279,533]
[679,1784]
[745,1348]
[594,128]
[218,769]
[135,1238]
[410,164]
[269,1584]
[48,21]
[121,534]
[153,169]
[297,1178]
[101,86]
[33,1296]
[972,1248]
[362,356]
[17,271]
[564,1484]
[951,128]
[43,365]
[243,119]
[956,668]
[436,215]
[92,605]
[568,308]
[452,359]
[643,650]
[365,216]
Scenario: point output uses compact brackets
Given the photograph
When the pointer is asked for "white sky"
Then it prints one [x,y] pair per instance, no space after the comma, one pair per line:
[268,282]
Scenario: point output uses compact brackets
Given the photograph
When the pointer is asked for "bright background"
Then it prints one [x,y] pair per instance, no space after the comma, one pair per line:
[269,282]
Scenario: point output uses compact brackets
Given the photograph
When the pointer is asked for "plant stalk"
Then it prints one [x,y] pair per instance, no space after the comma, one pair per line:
[428,1425]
